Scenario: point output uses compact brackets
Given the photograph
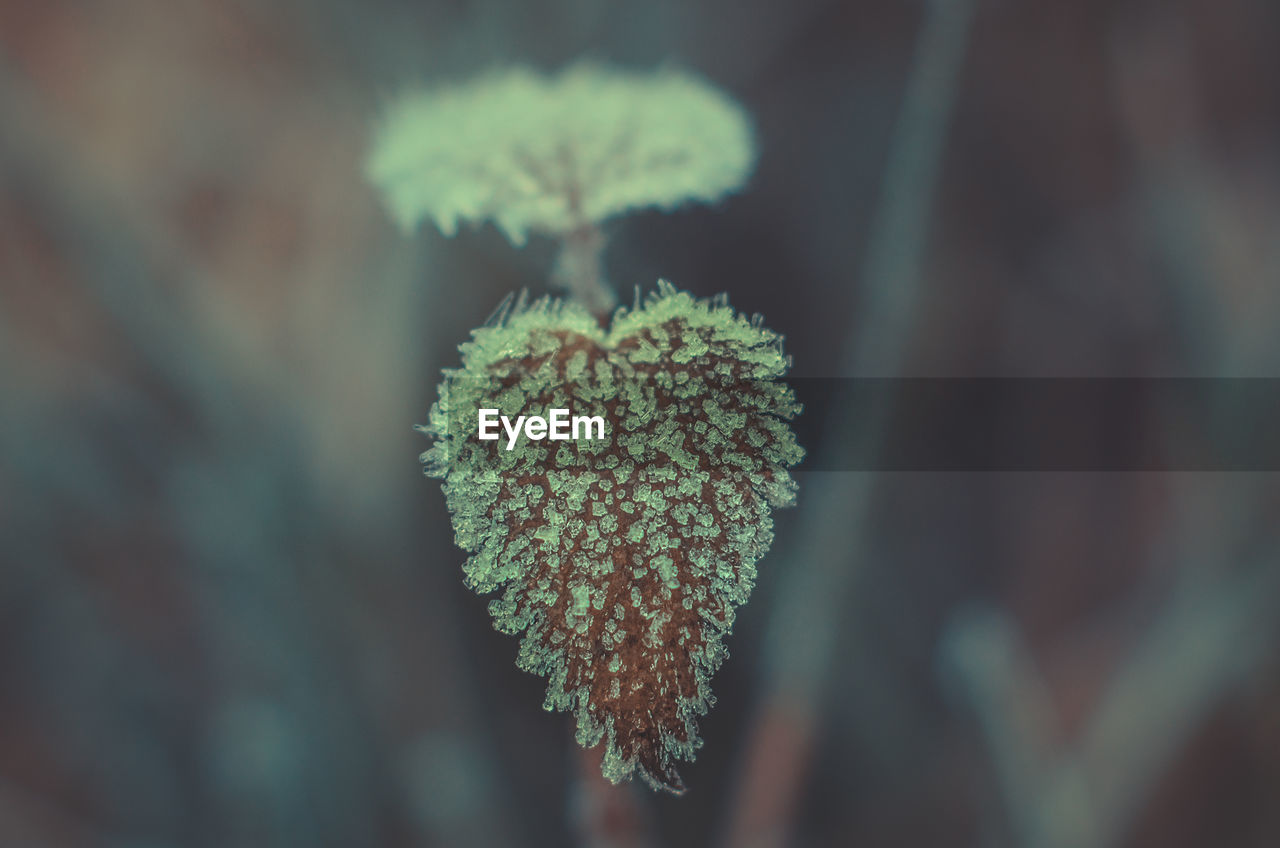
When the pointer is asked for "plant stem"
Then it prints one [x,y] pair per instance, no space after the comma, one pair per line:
[605,815]
[579,268]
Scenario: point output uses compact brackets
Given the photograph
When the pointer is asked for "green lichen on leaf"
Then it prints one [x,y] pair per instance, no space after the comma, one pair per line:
[621,561]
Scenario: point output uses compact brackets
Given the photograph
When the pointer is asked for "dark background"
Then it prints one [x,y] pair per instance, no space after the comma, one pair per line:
[231,612]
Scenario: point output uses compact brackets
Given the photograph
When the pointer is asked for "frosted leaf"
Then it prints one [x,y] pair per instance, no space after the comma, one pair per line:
[554,154]
[621,561]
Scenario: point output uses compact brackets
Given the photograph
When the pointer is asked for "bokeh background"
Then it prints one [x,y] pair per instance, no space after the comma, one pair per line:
[231,612]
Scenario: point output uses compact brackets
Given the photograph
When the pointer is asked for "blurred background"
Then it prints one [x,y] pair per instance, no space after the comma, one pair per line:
[231,611]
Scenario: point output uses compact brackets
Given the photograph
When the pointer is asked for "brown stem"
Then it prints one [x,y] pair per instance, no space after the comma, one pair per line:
[772,777]
[605,815]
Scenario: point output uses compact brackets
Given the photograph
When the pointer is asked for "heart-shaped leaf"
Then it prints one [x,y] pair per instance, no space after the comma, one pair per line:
[621,560]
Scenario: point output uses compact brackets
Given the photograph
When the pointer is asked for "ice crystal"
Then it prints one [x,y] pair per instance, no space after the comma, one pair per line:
[621,561]
[555,154]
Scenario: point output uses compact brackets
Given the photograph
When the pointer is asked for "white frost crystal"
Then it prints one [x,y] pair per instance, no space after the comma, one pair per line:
[554,154]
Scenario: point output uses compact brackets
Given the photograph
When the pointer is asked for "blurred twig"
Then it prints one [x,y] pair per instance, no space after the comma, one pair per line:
[832,527]
[1219,620]
[285,742]
[119,258]
[1204,642]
